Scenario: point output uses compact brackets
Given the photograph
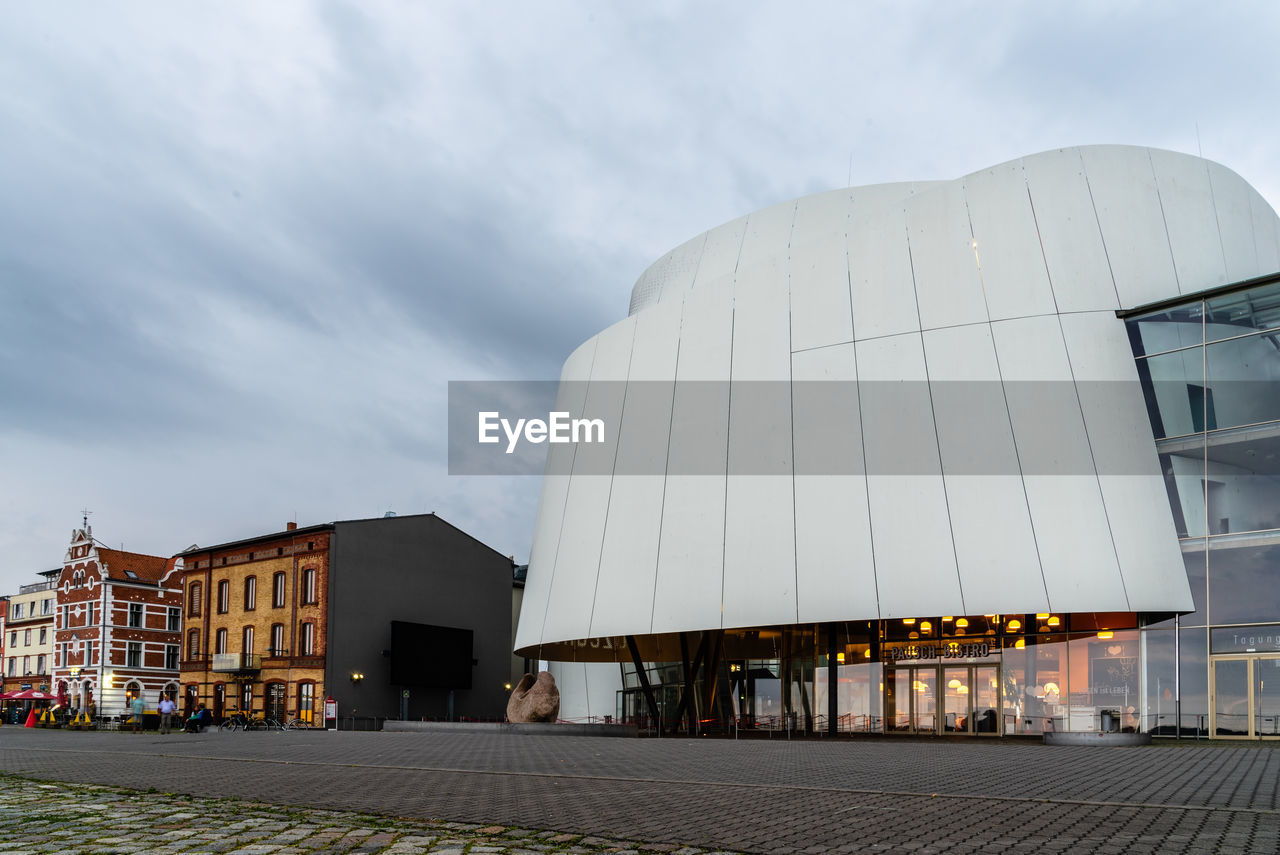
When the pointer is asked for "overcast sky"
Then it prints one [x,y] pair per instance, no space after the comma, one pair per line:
[244,246]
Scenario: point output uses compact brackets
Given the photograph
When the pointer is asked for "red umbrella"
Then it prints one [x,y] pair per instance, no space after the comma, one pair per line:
[29,695]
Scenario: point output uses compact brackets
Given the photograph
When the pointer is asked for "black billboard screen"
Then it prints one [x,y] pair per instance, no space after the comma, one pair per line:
[430,657]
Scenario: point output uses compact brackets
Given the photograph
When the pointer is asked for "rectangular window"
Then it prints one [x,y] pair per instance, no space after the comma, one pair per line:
[277,640]
[309,585]
[40,664]
[89,658]
[193,644]
[248,640]
[175,619]
[277,591]
[307,640]
[133,655]
[13,638]
[93,614]
[44,634]
[250,593]
[26,665]
[224,597]
[193,599]
[66,616]
[171,657]
[46,607]
[17,611]
[26,638]
[13,667]
[135,615]
[220,642]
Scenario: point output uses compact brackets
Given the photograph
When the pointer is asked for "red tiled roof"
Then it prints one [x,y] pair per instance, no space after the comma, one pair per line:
[145,568]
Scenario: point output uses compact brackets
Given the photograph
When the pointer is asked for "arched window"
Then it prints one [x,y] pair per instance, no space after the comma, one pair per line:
[250,593]
[220,644]
[307,639]
[193,599]
[193,644]
[224,597]
[308,592]
[277,590]
[247,640]
[277,640]
[132,690]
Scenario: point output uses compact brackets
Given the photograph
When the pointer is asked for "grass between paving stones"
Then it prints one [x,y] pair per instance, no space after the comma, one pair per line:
[112,820]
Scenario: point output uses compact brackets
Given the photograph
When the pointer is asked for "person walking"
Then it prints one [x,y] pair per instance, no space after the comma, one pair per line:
[166,713]
[137,708]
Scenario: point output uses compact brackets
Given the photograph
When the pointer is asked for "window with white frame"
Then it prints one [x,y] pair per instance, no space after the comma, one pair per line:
[308,585]
[171,657]
[44,634]
[251,593]
[175,619]
[224,597]
[277,640]
[277,590]
[46,606]
[220,642]
[135,615]
[40,664]
[307,639]
[133,654]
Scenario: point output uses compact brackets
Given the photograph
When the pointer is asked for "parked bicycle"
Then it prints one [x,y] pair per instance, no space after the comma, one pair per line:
[302,724]
[250,721]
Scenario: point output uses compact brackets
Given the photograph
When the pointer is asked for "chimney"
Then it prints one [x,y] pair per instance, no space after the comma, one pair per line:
[293,526]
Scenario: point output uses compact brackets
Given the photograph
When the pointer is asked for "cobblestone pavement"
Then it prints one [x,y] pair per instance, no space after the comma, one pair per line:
[755,796]
[89,818]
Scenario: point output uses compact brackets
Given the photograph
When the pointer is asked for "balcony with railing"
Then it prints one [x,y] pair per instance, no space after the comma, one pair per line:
[236,663]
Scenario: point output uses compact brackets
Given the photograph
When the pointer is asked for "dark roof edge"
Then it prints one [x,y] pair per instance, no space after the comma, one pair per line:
[437,517]
[1197,295]
[311,529]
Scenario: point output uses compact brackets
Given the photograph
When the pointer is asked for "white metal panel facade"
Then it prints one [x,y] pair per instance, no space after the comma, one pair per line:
[895,491]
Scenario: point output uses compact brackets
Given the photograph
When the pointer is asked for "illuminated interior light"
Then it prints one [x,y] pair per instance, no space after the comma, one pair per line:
[948,618]
[1105,634]
[954,684]
[908,620]
[1054,621]
[925,626]
[1015,624]
[962,623]
[1020,644]
[866,654]
[840,658]
[1043,616]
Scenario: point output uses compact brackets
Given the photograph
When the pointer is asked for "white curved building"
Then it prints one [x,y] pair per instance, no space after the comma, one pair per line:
[902,440]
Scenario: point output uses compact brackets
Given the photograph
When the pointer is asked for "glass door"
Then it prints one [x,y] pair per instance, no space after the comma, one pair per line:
[924,698]
[1266,697]
[1245,697]
[955,699]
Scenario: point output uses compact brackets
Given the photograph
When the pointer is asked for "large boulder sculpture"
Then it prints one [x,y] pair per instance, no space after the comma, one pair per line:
[534,700]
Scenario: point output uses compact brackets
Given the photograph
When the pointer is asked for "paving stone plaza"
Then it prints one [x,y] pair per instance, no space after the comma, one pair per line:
[506,793]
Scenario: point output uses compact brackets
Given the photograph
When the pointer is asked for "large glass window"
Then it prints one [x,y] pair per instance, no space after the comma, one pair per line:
[1244,582]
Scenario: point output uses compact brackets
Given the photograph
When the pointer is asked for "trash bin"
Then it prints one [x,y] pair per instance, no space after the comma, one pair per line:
[1110,721]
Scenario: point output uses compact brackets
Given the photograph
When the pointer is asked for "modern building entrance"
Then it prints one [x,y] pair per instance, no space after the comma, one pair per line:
[942,699]
[1244,700]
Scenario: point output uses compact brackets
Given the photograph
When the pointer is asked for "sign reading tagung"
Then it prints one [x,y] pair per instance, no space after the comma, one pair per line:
[1246,639]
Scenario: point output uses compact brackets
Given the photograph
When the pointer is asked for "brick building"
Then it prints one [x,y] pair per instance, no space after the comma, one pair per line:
[29,631]
[118,626]
[275,623]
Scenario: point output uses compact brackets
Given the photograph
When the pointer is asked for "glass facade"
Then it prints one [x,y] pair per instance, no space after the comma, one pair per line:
[1208,369]
[941,675]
